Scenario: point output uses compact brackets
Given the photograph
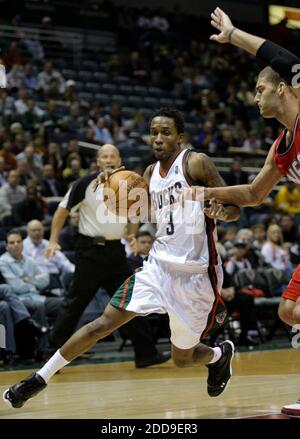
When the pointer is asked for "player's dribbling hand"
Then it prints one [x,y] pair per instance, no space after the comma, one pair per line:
[222,22]
[52,248]
[215,210]
[104,176]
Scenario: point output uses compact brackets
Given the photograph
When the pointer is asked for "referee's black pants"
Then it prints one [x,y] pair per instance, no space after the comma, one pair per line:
[97,267]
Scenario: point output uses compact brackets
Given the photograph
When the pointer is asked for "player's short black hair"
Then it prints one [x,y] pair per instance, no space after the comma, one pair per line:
[172,113]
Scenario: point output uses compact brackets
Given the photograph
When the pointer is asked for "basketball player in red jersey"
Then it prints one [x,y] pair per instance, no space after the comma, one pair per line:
[277,95]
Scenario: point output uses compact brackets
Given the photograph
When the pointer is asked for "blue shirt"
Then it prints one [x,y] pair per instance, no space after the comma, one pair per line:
[15,271]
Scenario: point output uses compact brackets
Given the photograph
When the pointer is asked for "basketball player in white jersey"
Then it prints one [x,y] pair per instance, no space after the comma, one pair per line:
[182,276]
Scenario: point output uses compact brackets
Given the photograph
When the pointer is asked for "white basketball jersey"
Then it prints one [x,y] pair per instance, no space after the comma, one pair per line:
[185,236]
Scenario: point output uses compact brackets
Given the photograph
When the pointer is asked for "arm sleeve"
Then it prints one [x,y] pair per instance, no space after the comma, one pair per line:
[280,59]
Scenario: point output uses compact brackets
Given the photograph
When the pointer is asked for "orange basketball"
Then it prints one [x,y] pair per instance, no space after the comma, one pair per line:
[125,192]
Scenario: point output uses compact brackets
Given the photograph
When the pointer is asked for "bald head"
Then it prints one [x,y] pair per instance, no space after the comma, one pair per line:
[35,230]
[108,157]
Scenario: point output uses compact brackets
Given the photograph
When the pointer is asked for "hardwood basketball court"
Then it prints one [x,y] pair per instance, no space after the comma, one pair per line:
[262,383]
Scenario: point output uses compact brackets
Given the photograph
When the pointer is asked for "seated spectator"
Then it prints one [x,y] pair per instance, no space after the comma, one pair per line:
[238,261]
[46,77]
[207,139]
[73,171]
[287,199]
[50,186]
[9,157]
[34,161]
[73,150]
[28,209]
[259,234]
[243,303]
[236,175]
[69,234]
[11,193]
[28,282]
[144,241]
[273,251]
[252,254]
[2,172]
[101,132]
[53,157]
[20,328]
[25,175]
[252,143]
[35,247]
[288,228]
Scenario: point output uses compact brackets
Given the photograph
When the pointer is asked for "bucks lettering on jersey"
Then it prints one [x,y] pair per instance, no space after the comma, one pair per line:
[184,236]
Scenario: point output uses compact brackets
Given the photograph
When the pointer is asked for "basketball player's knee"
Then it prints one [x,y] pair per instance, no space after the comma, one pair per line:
[98,328]
[285,315]
[296,314]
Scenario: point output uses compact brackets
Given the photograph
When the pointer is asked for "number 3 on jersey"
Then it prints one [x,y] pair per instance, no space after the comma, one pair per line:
[170,228]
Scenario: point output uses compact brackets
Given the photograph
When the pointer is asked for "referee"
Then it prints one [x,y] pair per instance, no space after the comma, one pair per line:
[100,259]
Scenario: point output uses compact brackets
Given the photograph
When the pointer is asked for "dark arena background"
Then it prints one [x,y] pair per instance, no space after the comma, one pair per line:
[80,74]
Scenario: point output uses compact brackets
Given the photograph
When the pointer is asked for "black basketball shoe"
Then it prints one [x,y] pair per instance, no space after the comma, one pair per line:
[219,373]
[17,395]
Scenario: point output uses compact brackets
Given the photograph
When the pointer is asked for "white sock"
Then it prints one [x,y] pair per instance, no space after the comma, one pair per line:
[217,355]
[55,363]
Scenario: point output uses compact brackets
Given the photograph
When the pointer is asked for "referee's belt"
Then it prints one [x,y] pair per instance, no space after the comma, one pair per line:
[98,240]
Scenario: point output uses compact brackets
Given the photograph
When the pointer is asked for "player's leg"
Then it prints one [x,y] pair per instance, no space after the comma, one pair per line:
[286,311]
[79,343]
[199,311]
[289,312]
[187,351]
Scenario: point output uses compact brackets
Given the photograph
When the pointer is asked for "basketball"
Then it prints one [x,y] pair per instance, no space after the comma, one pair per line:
[124,190]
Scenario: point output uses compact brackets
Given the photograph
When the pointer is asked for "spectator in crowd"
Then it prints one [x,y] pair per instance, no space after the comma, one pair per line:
[35,246]
[273,251]
[20,328]
[8,156]
[144,242]
[70,233]
[73,171]
[50,186]
[2,172]
[28,282]
[239,260]
[288,228]
[236,175]
[259,236]
[11,194]
[243,303]
[287,199]
[28,209]
[47,76]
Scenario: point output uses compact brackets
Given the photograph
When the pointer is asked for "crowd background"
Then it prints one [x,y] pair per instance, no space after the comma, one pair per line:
[95,75]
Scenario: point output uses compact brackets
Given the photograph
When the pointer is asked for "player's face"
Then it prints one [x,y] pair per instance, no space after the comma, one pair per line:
[108,158]
[164,138]
[266,98]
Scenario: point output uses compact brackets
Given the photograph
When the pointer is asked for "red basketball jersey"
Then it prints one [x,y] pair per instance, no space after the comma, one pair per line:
[287,157]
